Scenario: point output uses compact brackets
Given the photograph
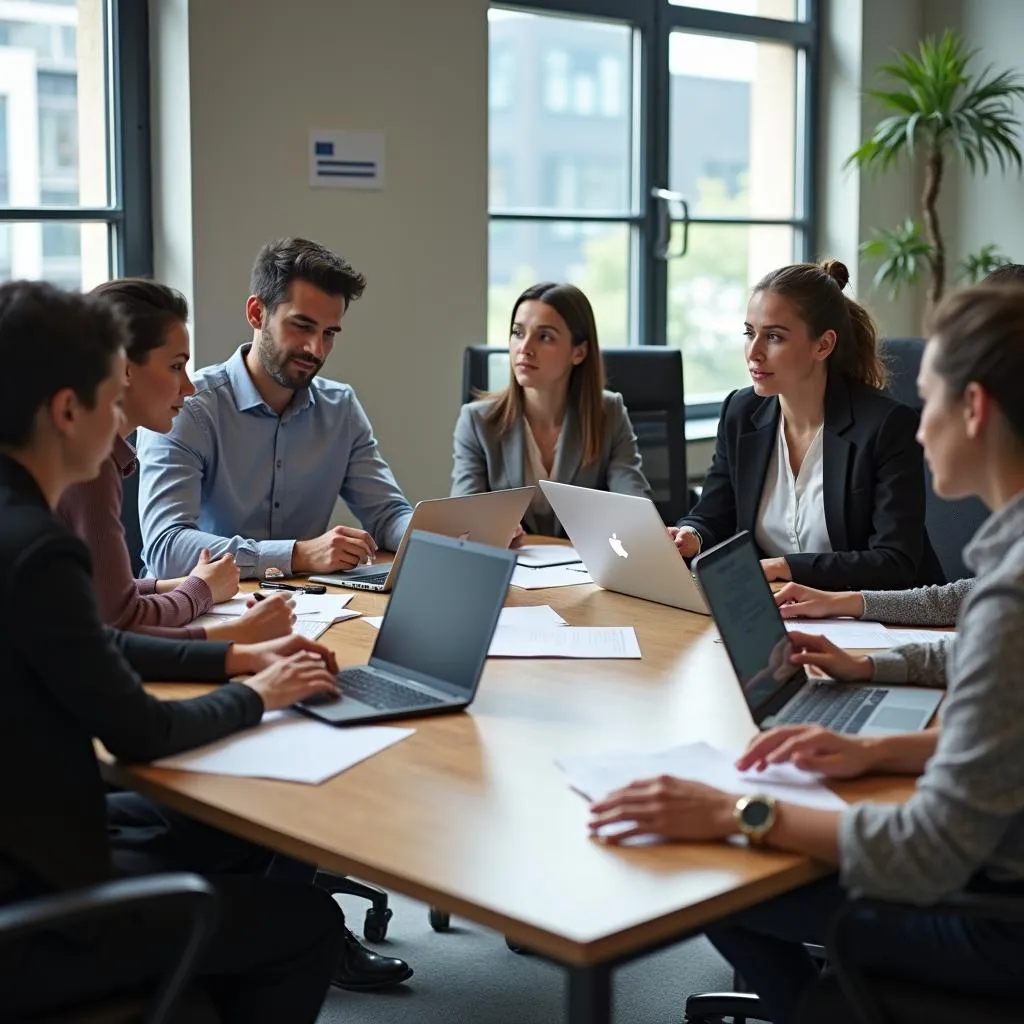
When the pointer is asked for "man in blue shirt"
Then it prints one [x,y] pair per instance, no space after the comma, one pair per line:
[258,456]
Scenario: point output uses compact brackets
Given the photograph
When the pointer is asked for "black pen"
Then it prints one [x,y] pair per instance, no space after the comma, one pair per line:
[308,588]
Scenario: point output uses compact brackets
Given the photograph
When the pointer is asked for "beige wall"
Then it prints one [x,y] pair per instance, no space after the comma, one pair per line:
[987,209]
[256,82]
[230,172]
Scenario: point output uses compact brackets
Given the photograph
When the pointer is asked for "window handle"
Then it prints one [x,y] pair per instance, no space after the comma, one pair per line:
[672,206]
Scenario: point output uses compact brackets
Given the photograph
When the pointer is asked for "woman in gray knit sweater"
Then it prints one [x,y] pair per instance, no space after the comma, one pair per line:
[964,825]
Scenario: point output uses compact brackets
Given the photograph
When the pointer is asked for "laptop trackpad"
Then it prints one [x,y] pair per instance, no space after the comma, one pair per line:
[894,719]
[343,709]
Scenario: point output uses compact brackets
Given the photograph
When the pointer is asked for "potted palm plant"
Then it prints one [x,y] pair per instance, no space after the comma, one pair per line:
[938,110]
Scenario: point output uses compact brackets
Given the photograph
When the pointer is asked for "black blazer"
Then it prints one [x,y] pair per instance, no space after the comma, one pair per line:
[66,679]
[873,488]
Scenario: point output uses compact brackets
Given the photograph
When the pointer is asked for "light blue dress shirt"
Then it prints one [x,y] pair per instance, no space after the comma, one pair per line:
[234,476]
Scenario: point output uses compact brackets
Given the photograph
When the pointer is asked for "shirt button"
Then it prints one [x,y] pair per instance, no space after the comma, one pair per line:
[279,463]
[277,504]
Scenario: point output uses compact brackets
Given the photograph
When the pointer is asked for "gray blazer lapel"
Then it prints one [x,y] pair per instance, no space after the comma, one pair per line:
[569,450]
[512,453]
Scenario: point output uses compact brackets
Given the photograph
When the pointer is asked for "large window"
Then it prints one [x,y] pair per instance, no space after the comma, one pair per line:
[74,168]
[655,153]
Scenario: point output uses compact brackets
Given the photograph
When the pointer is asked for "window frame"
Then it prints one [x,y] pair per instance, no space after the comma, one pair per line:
[653,21]
[129,215]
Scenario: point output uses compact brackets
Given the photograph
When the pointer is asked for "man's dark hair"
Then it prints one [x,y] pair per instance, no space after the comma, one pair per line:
[149,308]
[50,340]
[285,260]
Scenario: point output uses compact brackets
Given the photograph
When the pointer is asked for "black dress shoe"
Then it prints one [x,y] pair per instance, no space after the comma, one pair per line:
[360,969]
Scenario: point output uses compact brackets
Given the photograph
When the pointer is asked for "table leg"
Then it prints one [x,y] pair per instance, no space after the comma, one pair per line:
[590,995]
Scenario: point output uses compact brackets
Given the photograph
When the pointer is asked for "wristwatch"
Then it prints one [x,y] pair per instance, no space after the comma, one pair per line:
[754,816]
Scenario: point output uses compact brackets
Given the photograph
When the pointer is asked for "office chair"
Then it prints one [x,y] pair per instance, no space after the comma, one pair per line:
[950,524]
[179,896]
[650,380]
[130,517]
[845,994]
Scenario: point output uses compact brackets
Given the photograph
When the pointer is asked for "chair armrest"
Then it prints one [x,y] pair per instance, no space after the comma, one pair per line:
[189,896]
[855,985]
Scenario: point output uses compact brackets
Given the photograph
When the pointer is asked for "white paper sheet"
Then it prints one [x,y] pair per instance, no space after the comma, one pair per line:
[555,576]
[595,776]
[917,636]
[304,626]
[286,745]
[326,607]
[519,636]
[536,615]
[538,556]
[565,642]
[844,632]
[853,633]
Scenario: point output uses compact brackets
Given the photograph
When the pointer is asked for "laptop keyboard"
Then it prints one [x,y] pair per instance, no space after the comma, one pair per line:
[377,578]
[828,705]
[381,693]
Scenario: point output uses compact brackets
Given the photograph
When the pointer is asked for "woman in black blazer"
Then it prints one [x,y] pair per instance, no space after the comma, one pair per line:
[813,459]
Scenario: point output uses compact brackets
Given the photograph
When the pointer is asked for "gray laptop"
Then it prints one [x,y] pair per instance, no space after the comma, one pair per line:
[432,645]
[488,518]
[778,692]
[624,545]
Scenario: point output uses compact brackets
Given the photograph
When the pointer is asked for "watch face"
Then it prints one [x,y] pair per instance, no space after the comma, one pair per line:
[756,813]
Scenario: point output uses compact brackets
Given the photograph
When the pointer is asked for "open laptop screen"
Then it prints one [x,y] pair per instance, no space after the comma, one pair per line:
[748,620]
[443,610]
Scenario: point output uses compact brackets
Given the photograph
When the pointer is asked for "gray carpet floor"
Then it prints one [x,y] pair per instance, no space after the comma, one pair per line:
[468,975]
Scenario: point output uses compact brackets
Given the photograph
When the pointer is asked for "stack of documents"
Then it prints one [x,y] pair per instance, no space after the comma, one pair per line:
[314,613]
[287,746]
[597,775]
[540,632]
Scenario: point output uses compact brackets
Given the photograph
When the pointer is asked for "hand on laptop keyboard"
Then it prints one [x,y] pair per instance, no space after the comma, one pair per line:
[813,651]
[811,747]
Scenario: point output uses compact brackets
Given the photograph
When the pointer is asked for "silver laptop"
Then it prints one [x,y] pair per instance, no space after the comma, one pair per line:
[432,645]
[624,545]
[758,645]
[488,518]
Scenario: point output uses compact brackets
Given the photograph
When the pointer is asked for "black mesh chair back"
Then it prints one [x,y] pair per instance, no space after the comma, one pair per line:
[650,380]
[130,517]
[950,524]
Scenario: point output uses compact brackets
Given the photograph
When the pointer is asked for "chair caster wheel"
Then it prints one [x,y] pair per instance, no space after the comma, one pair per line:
[440,920]
[518,950]
[375,927]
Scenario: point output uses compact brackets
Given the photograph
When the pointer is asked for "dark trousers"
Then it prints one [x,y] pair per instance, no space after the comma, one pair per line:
[765,945]
[270,959]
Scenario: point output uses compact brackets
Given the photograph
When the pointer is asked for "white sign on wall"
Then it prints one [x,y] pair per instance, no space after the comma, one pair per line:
[346,159]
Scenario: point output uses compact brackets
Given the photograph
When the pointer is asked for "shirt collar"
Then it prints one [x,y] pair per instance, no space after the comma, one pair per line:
[123,455]
[248,397]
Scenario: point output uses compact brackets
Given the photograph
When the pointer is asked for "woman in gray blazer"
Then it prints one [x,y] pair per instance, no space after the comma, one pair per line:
[554,421]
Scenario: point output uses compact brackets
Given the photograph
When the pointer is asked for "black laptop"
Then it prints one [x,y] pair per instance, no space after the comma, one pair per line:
[433,642]
[777,691]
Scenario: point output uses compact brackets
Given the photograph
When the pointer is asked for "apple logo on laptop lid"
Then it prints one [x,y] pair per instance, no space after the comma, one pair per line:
[616,546]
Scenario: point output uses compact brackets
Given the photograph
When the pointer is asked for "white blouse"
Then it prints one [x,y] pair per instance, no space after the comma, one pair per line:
[534,471]
[791,516]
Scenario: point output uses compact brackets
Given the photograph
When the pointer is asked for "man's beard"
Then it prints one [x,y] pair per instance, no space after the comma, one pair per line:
[277,364]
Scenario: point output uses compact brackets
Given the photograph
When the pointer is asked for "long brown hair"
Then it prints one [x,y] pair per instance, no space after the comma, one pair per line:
[816,290]
[586,380]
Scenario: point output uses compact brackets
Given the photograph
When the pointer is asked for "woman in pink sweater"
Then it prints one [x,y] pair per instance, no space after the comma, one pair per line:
[157,386]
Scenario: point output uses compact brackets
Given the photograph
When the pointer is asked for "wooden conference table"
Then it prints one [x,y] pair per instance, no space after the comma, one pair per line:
[471,814]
